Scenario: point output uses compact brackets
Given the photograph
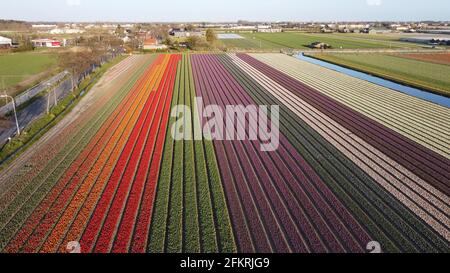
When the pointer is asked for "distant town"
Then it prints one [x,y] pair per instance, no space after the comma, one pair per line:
[161,36]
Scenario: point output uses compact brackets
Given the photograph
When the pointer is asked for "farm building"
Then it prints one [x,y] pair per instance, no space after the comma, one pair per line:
[326,30]
[245,28]
[5,42]
[46,43]
[182,33]
[268,29]
[43,26]
[152,44]
[178,32]
[66,31]
[195,33]
[379,31]
[430,40]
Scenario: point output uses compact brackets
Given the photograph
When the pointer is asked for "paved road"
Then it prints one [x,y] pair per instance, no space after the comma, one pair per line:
[32,92]
[34,110]
[39,106]
[107,83]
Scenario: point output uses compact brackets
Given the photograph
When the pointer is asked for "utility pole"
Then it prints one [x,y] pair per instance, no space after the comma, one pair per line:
[71,80]
[48,97]
[14,108]
[54,95]
[48,100]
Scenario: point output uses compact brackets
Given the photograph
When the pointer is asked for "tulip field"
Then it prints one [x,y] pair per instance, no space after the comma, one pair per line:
[356,163]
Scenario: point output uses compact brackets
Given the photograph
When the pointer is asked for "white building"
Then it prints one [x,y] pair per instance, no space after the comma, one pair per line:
[109,26]
[244,27]
[66,31]
[380,31]
[126,39]
[182,33]
[155,47]
[43,26]
[402,28]
[46,43]
[152,44]
[264,27]
[268,29]
[5,42]
[89,26]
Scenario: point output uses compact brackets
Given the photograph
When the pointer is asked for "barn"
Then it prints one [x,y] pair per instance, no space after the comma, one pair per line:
[5,42]
[152,44]
[46,43]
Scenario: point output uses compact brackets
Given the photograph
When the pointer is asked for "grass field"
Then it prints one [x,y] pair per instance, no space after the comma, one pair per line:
[249,43]
[426,75]
[19,67]
[383,37]
[298,40]
[439,58]
[369,40]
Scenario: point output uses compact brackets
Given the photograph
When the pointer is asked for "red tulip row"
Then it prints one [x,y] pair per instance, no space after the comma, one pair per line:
[109,210]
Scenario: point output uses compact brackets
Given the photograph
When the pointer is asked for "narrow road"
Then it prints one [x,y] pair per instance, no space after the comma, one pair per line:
[34,110]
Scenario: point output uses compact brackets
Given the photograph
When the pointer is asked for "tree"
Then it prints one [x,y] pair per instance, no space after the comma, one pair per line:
[193,42]
[189,27]
[77,63]
[169,42]
[159,31]
[211,36]
[119,31]
[24,45]
[137,28]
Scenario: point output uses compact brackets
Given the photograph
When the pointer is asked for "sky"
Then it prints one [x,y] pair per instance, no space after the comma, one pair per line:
[224,10]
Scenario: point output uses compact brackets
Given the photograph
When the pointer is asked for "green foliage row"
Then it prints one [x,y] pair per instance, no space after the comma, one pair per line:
[175,215]
[299,40]
[158,227]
